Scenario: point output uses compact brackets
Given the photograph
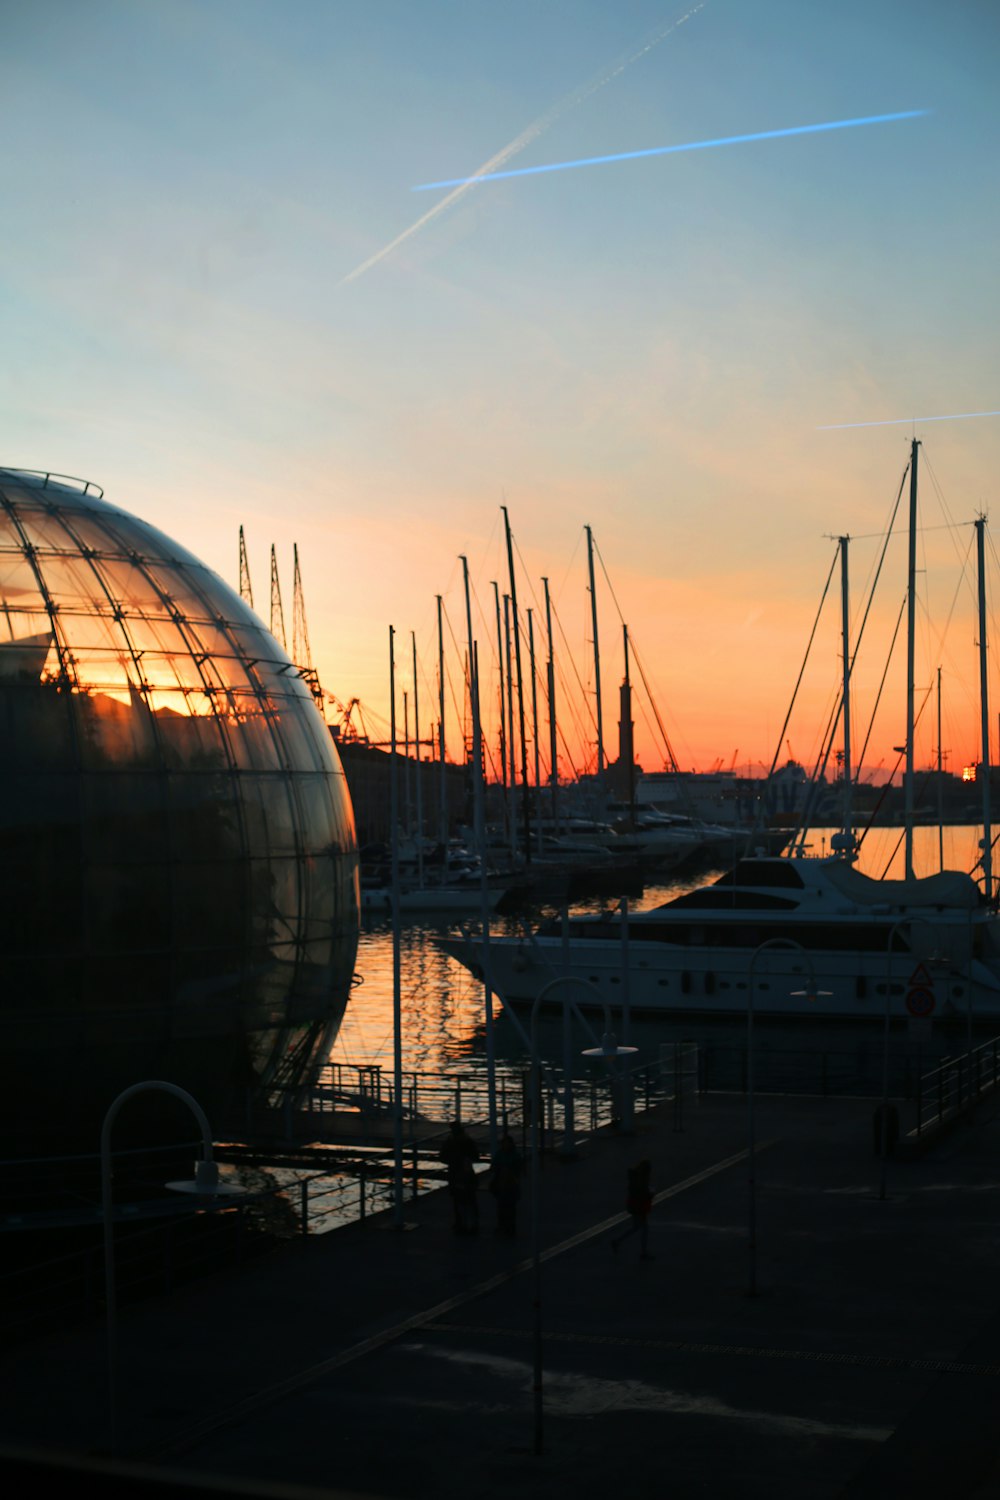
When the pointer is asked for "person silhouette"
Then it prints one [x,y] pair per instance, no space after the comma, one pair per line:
[505,1184]
[458,1154]
[638,1201]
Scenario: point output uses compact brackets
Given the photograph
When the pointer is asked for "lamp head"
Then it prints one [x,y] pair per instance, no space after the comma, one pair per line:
[609,1048]
[206,1184]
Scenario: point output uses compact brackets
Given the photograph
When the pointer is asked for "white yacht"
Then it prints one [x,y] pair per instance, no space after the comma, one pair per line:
[813,936]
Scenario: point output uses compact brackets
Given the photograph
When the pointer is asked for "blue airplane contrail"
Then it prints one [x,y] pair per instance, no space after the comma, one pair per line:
[956,416]
[725,140]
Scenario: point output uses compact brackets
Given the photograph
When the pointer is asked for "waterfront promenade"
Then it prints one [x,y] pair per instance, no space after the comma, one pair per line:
[398,1362]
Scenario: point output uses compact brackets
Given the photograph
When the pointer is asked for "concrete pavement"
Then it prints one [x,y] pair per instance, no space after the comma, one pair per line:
[400,1362]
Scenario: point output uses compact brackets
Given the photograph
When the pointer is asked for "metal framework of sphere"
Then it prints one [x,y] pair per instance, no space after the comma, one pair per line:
[179,877]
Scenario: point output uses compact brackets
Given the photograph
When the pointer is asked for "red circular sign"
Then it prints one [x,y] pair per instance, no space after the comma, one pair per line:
[920,1003]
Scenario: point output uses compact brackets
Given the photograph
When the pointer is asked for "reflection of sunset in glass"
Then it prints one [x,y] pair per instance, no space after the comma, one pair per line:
[180,895]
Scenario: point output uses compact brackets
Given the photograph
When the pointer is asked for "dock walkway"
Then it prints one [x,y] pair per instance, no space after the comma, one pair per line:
[398,1362]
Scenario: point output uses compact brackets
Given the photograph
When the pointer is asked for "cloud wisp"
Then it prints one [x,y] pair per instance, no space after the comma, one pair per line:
[494,166]
[725,140]
[955,416]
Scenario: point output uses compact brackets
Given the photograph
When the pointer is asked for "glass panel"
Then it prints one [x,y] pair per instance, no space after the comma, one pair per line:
[255,642]
[316,812]
[251,733]
[270,814]
[40,849]
[117,532]
[71,583]
[204,817]
[277,677]
[128,909]
[299,736]
[285,897]
[247,621]
[24,628]
[114,731]
[159,636]
[47,531]
[129,585]
[210,906]
[191,740]
[321,906]
[94,671]
[10,537]
[187,591]
[225,672]
[36,728]
[18,584]
[29,655]
[91,629]
[346,835]
[125,817]
[113,986]
[175,669]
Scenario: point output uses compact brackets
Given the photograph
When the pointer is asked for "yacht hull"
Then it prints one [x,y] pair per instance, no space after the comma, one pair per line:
[810,951]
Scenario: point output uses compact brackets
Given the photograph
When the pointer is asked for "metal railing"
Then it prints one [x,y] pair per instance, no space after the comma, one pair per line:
[430,1100]
[954,1087]
[822,1071]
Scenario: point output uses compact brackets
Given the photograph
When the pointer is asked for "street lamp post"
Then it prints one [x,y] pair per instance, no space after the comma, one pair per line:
[628,1099]
[884,1115]
[608,1049]
[206,1183]
[769,943]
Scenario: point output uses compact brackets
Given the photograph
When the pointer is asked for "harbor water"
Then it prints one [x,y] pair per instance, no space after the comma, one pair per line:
[443,1029]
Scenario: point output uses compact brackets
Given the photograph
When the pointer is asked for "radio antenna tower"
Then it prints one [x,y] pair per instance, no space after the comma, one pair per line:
[301,655]
[301,652]
[277,613]
[246,588]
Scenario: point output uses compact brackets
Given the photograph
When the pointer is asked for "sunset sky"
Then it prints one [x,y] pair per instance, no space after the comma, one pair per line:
[213,307]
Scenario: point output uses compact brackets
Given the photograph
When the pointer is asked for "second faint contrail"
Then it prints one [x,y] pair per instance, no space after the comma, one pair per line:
[955,416]
[531,133]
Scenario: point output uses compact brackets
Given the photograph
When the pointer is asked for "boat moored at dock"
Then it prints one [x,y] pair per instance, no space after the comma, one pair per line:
[813,936]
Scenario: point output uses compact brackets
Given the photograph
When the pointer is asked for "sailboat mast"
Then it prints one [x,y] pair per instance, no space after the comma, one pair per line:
[443,811]
[550,681]
[477,732]
[419,777]
[597,658]
[397,987]
[846,785]
[911,631]
[984,710]
[503,733]
[512,808]
[407,822]
[534,726]
[939,780]
[479,817]
[626,733]
[520,685]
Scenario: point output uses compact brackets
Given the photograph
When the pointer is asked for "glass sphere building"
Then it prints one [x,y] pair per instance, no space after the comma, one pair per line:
[178,897]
